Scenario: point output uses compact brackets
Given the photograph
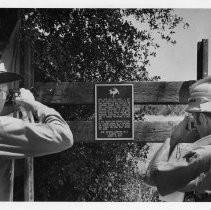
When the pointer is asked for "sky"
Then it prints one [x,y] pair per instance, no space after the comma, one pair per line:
[179,62]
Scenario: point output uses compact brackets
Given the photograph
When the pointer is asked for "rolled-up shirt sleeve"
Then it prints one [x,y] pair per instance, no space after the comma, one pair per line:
[19,138]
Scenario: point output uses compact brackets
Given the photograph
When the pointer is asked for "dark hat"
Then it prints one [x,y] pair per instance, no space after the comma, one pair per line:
[6,77]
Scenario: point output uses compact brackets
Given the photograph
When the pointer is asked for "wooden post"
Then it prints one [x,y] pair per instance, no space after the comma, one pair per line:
[15,115]
[12,180]
[199,60]
[28,75]
[202,59]
[205,58]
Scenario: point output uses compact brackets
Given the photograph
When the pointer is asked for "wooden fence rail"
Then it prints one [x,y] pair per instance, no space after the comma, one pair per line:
[144,131]
[67,93]
[83,93]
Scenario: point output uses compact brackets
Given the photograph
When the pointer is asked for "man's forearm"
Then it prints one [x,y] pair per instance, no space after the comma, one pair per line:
[165,151]
[161,155]
[20,139]
[170,176]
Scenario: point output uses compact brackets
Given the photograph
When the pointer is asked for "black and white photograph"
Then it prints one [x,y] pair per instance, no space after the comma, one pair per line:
[105,104]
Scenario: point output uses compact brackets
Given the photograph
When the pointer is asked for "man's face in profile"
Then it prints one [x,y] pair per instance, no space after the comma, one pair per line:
[3,95]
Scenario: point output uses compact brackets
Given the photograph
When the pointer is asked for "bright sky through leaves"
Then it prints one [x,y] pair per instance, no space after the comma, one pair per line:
[179,62]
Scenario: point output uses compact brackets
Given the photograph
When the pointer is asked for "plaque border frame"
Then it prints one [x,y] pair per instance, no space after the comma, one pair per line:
[114,84]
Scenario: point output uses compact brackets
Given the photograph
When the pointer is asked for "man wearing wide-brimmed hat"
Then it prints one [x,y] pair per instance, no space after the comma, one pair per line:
[19,139]
[193,173]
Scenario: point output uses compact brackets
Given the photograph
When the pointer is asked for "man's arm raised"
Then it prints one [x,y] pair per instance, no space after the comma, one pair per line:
[167,176]
[23,139]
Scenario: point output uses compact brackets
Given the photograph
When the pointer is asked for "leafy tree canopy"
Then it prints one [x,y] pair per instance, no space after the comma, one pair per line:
[97,44]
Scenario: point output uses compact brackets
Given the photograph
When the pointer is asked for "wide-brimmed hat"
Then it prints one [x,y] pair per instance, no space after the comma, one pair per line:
[200,96]
[6,77]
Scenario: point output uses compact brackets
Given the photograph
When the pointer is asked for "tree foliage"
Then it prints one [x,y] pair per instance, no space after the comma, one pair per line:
[99,45]
[89,172]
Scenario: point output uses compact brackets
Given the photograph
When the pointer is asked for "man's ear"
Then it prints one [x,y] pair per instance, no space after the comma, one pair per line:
[203,119]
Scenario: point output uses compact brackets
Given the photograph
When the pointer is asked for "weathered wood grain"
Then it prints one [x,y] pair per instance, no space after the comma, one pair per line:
[205,57]
[83,131]
[83,93]
[199,60]
[28,82]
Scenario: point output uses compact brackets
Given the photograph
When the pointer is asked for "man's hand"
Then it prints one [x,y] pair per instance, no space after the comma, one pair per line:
[184,132]
[202,155]
[25,99]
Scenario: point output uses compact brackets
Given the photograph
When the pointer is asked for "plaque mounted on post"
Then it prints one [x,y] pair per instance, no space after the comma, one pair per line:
[114,108]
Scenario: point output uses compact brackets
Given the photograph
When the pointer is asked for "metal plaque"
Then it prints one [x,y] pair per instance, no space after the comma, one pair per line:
[114,107]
